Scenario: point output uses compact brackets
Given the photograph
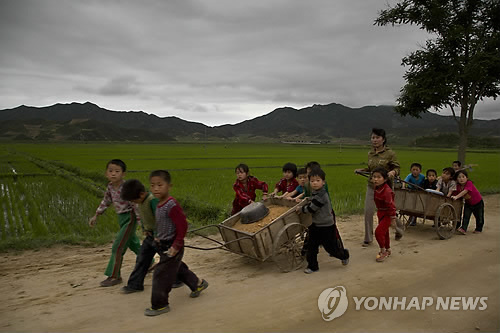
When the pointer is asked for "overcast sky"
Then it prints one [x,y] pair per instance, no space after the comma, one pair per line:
[214,62]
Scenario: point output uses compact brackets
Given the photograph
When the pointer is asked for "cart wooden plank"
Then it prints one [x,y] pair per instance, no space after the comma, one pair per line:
[422,203]
[260,246]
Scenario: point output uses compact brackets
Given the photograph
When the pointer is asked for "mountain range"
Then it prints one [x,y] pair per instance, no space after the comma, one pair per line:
[89,122]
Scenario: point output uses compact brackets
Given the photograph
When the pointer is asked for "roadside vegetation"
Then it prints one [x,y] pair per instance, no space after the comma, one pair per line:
[48,191]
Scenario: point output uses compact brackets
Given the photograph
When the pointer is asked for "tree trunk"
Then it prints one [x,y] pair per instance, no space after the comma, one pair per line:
[463,133]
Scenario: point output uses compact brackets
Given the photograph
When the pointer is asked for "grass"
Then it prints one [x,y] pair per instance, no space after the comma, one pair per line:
[61,185]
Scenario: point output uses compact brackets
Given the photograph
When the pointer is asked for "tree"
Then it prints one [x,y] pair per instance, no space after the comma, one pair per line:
[458,66]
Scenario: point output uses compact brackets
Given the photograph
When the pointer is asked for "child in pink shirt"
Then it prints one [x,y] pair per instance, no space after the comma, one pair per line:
[473,202]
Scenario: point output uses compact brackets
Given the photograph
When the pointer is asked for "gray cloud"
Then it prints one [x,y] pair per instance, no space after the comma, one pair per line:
[208,61]
[118,86]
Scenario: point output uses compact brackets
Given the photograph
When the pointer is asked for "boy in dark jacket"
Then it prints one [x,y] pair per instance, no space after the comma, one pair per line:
[323,230]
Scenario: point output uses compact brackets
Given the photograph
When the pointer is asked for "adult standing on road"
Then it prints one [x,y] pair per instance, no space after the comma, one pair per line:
[379,156]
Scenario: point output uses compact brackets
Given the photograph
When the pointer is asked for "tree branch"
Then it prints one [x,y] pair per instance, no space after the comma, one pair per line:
[454,114]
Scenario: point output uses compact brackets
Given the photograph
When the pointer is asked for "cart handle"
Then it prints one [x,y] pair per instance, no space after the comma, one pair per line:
[413,185]
[367,174]
[220,246]
[363,173]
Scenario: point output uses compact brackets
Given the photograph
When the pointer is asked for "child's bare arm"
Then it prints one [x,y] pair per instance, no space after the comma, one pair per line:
[93,221]
[299,197]
[290,195]
[459,195]
[172,251]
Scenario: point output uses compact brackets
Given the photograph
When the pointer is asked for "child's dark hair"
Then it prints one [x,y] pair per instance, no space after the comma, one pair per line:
[455,177]
[312,164]
[429,171]
[449,170]
[317,172]
[302,171]
[380,132]
[418,165]
[243,167]
[290,167]
[118,162]
[457,162]
[383,173]
[161,173]
[132,189]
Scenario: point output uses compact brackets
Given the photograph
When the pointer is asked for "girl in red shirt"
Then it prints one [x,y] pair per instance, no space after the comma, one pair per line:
[386,211]
[245,186]
[473,202]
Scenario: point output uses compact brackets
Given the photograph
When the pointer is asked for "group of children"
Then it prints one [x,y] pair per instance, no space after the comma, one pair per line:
[454,183]
[296,185]
[164,224]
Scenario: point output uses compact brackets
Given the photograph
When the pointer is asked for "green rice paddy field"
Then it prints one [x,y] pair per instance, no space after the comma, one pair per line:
[49,191]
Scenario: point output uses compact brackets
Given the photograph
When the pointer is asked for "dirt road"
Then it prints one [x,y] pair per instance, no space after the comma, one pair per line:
[57,289]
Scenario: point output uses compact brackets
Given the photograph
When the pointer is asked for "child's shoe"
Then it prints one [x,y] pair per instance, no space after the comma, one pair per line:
[366,244]
[345,262]
[128,290]
[476,232]
[309,271]
[381,256]
[199,289]
[461,231]
[155,312]
[109,282]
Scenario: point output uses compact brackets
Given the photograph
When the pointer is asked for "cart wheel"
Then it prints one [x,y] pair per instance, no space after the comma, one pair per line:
[288,245]
[445,221]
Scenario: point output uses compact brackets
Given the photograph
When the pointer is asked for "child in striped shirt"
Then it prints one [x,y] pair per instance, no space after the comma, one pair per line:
[127,219]
[171,227]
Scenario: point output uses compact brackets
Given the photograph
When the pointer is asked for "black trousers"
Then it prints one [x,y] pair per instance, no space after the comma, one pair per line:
[329,238]
[142,264]
[166,273]
[478,211]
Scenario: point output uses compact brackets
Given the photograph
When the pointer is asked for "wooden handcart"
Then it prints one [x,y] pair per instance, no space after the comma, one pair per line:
[282,239]
[420,203]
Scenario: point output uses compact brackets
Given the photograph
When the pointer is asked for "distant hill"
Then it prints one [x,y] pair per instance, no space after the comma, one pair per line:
[89,122]
[74,130]
[338,121]
[77,117]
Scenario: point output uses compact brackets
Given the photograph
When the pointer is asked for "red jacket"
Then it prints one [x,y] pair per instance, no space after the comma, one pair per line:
[384,200]
[284,187]
[246,194]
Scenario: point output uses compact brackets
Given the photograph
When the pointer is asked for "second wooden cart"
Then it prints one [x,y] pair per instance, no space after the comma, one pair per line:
[445,212]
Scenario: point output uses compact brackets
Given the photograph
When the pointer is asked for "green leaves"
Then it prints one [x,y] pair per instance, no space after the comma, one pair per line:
[456,68]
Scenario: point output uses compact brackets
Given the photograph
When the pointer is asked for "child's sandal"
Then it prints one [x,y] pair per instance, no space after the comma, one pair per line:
[381,256]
